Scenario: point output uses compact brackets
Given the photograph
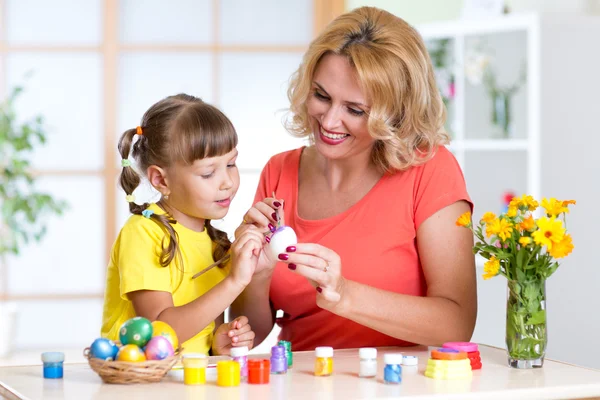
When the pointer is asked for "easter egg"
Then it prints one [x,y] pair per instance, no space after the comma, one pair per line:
[159,348]
[104,349]
[283,237]
[137,330]
[160,328]
[130,352]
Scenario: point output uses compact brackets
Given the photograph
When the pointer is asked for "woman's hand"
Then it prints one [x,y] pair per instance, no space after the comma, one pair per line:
[323,269]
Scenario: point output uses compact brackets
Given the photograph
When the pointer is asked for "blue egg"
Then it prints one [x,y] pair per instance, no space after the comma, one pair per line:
[104,349]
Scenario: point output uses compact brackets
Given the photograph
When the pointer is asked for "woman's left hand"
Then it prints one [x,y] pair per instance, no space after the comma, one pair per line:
[323,269]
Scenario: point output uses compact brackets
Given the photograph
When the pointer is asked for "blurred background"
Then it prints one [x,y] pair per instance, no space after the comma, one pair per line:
[91,68]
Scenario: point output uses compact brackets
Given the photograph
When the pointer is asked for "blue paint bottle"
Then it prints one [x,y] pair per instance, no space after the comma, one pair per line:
[53,364]
[392,373]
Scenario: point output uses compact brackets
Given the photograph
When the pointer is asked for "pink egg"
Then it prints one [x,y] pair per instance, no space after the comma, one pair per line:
[159,348]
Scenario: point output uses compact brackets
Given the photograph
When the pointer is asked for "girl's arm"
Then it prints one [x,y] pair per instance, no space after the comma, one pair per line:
[189,319]
[447,313]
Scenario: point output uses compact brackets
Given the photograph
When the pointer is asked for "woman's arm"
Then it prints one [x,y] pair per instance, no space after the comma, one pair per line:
[447,313]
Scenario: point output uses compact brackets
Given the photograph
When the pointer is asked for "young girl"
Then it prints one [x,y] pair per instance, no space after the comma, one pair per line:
[187,151]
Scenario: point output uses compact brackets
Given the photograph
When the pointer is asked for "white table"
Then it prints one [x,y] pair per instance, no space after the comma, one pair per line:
[495,380]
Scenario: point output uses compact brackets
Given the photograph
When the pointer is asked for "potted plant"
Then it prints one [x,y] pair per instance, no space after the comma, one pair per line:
[23,209]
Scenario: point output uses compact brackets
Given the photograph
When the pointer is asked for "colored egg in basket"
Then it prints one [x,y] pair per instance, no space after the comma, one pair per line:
[131,352]
[158,348]
[104,349]
[160,328]
[137,330]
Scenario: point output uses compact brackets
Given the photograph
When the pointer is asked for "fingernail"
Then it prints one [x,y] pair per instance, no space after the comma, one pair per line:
[292,266]
[319,289]
[277,204]
[274,216]
[272,228]
[290,249]
[284,256]
[268,239]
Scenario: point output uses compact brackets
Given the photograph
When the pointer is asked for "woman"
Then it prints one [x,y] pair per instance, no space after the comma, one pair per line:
[374,200]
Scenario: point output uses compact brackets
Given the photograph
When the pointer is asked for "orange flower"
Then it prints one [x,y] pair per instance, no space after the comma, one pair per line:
[528,224]
[562,248]
[464,220]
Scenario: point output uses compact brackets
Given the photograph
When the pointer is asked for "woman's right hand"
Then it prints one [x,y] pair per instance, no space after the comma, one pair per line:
[264,217]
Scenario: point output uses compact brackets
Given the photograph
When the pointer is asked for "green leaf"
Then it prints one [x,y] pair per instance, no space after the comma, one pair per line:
[538,317]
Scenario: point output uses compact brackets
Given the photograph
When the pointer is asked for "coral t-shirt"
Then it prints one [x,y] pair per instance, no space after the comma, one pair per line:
[375,238]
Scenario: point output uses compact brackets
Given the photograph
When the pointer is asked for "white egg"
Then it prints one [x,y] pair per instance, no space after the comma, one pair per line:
[280,240]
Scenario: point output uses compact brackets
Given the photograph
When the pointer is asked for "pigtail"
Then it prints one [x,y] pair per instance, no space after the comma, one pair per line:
[129,181]
[221,241]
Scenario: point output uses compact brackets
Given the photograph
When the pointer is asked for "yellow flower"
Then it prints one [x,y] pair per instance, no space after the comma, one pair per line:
[464,220]
[549,232]
[528,224]
[554,207]
[488,217]
[524,240]
[525,201]
[500,227]
[512,212]
[491,268]
[562,248]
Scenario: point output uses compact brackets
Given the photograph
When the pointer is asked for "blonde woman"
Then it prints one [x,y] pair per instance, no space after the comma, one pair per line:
[373,200]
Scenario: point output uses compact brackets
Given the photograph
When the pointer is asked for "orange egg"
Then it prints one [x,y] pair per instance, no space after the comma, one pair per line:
[131,352]
[160,328]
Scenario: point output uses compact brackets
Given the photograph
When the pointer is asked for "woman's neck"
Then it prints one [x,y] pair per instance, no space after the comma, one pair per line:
[347,174]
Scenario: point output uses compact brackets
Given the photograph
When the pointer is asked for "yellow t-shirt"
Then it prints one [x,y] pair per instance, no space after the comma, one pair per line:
[135,265]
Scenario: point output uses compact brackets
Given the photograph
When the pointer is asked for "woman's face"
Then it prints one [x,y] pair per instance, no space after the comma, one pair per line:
[338,110]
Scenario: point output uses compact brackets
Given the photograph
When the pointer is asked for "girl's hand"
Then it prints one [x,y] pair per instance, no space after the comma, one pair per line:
[323,269]
[236,333]
[263,217]
[245,253]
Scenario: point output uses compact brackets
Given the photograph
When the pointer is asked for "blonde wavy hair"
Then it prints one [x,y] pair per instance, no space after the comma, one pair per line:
[395,72]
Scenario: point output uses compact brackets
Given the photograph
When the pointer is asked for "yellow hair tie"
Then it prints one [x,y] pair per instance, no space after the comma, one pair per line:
[139,131]
[130,198]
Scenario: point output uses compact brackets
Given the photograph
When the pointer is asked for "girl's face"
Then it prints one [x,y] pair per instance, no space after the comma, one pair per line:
[338,109]
[205,189]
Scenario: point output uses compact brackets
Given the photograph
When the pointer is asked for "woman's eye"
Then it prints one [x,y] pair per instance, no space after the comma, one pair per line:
[231,165]
[320,96]
[355,111]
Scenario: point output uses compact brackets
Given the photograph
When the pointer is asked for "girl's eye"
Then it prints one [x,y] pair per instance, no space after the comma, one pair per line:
[353,111]
[207,176]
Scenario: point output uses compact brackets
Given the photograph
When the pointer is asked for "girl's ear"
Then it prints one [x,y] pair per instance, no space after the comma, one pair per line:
[158,179]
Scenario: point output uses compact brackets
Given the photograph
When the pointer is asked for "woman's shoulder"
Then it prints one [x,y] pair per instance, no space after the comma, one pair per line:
[440,161]
[287,160]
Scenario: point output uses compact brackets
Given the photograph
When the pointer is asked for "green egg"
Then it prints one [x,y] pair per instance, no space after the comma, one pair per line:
[136,331]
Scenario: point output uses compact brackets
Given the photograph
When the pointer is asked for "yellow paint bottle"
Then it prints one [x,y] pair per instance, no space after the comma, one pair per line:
[228,373]
[194,368]
[324,361]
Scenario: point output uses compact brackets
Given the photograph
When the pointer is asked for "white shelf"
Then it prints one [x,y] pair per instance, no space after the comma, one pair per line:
[507,23]
[490,145]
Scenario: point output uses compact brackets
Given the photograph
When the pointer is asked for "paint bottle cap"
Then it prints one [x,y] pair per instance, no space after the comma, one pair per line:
[239,351]
[367,353]
[53,357]
[410,360]
[324,351]
[467,347]
[393,358]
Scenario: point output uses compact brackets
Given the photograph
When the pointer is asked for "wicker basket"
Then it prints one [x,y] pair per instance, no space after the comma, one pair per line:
[124,372]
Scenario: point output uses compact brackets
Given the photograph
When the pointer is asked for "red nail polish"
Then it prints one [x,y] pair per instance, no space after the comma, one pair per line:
[284,256]
[277,204]
[272,227]
[292,266]
[274,216]
[290,249]
[268,239]
[319,289]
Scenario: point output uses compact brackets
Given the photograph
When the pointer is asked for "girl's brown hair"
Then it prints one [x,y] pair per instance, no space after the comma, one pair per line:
[180,128]
[394,69]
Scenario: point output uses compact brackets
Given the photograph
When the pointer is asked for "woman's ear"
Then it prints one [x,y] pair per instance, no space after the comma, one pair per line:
[158,179]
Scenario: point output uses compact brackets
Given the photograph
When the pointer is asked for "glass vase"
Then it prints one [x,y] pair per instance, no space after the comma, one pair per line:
[501,115]
[526,329]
